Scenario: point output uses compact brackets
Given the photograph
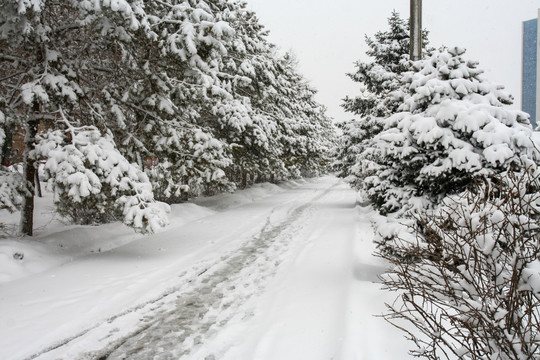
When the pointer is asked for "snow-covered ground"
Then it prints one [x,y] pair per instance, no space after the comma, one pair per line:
[273,272]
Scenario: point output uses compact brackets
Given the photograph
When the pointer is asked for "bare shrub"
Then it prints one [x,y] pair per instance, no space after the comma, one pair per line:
[469,283]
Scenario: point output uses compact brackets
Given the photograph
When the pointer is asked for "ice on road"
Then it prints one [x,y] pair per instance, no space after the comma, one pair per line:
[289,276]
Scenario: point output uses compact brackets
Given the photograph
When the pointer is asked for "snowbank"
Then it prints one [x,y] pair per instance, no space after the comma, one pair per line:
[57,243]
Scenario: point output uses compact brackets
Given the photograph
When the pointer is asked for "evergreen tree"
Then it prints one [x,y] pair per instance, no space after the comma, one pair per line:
[251,132]
[287,122]
[104,65]
[452,127]
[389,53]
[168,101]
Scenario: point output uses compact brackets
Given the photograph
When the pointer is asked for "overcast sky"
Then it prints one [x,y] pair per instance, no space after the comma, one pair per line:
[327,36]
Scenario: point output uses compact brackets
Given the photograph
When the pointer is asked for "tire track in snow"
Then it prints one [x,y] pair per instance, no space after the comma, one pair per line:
[174,325]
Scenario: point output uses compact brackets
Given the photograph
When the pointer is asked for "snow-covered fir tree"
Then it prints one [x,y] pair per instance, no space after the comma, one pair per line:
[453,126]
[389,52]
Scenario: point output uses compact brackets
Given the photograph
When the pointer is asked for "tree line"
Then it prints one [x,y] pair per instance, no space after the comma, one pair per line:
[138,101]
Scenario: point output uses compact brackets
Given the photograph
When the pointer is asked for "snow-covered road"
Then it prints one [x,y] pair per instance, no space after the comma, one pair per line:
[287,277]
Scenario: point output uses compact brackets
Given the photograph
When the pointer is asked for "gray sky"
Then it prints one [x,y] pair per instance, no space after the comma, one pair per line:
[328,36]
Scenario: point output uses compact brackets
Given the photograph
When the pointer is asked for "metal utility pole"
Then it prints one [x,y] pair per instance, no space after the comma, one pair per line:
[416,30]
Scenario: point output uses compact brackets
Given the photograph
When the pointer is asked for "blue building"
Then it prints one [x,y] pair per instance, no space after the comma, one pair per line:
[530,88]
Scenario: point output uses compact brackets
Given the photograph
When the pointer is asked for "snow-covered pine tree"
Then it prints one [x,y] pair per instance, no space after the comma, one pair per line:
[33,81]
[213,86]
[389,52]
[453,126]
[177,80]
[57,58]
[237,121]
[93,183]
[308,134]
[278,121]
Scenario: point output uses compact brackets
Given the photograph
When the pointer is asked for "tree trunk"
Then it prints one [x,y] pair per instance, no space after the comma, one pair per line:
[244,179]
[29,173]
[37,183]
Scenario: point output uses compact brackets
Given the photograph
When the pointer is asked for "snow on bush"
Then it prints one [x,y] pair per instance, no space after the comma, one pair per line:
[452,127]
[470,281]
[94,183]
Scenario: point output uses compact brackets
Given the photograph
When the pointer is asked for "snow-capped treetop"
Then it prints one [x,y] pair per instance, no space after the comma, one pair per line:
[446,74]
[389,51]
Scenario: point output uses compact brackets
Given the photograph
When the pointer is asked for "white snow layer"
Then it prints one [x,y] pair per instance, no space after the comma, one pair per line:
[273,272]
